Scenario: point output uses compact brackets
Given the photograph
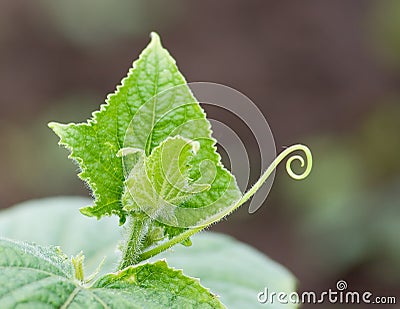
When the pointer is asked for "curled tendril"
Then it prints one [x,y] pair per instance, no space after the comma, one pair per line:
[275,163]
[289,166]
[289,161]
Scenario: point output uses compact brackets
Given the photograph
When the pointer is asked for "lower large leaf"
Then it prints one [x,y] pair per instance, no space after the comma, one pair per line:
[32,276]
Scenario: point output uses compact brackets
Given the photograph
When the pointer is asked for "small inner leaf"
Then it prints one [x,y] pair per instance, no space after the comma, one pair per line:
[159,184]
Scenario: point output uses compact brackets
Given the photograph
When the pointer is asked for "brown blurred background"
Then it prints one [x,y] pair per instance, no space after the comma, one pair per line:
[325,73]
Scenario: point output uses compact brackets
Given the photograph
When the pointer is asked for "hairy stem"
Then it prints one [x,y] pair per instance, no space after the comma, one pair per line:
[181,237]
[134,244]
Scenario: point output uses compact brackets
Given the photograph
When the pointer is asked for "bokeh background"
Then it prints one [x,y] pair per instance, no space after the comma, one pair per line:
[325,73]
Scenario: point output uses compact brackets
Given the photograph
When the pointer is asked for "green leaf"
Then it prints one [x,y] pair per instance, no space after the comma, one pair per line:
[38,277]
[237,280]
[157,114]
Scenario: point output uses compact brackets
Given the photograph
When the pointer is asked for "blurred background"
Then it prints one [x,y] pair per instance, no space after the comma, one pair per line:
[324,73]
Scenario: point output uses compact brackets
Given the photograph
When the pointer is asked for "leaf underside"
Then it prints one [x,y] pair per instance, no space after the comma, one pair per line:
[41,277]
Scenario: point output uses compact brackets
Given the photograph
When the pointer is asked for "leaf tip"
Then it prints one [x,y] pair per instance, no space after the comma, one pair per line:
[53,125]
[155,38]
[87,211]
[57,128]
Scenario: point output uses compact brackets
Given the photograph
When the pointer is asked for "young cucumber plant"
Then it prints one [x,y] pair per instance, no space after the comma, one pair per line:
[149,158]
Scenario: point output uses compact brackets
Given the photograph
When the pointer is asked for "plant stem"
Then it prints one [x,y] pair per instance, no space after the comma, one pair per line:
[181,237]
[134,245]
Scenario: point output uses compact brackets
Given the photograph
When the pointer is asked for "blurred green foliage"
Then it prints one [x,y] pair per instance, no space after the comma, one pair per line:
[384,24]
